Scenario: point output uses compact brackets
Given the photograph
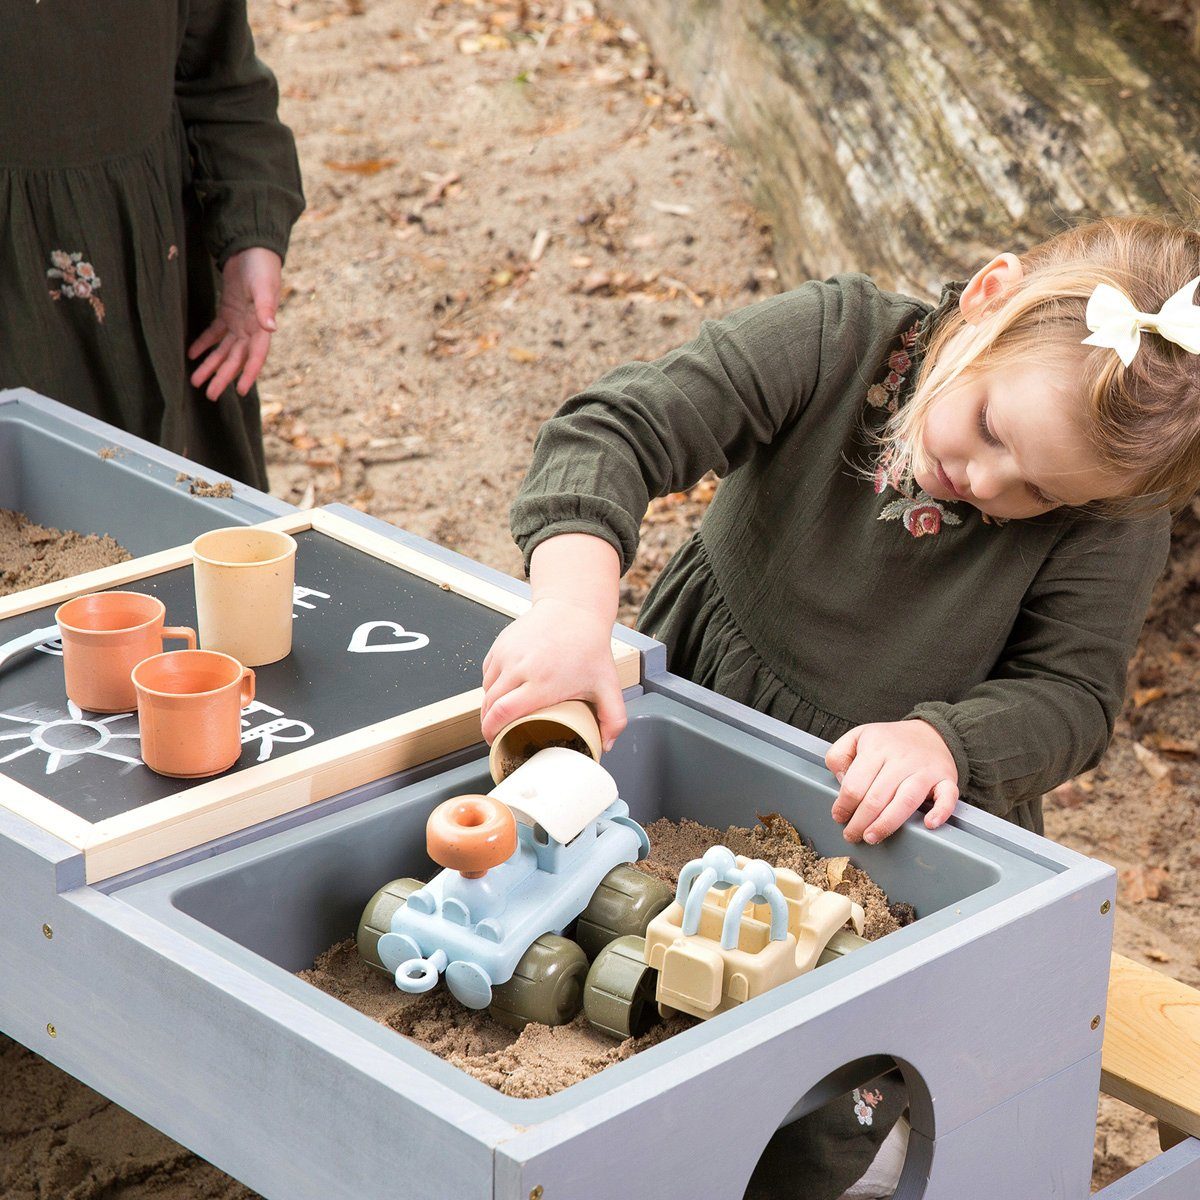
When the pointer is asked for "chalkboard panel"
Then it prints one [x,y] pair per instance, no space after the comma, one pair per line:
[369,642]
[384,675]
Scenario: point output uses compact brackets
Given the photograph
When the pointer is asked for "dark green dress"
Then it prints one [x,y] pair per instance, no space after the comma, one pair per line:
[139,146]
[830,600]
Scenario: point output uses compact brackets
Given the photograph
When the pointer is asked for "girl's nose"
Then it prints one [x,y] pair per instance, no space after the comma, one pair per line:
[990,479]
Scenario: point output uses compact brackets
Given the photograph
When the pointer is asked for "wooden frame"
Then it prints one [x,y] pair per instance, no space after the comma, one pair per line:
[268,789]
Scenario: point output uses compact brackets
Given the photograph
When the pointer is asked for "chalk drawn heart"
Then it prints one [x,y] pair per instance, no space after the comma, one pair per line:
[359,642]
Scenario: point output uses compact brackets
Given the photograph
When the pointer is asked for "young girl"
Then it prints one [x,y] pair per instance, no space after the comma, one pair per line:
[935,542]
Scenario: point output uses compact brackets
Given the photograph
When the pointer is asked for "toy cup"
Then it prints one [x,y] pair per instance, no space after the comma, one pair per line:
[104,636]
[244,583]
[189,706]
[570,723]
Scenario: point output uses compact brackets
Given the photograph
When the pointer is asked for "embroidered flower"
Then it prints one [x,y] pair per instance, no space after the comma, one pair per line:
[887,394]
[864,1107]
[920,514]
[79,280]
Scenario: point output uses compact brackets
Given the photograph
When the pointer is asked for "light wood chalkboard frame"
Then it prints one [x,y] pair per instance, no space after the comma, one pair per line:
[265,790]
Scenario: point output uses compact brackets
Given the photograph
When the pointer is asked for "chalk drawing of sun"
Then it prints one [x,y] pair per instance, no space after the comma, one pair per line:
[64,739]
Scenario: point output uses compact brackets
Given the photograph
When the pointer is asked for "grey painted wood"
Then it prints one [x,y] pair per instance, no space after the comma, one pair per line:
[1174,1175]
[50,468]
[268,1088]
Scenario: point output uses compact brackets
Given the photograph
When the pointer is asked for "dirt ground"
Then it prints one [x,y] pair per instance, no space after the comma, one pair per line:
[506,199]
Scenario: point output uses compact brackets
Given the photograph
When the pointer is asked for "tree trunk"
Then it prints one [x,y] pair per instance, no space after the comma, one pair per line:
[914,139]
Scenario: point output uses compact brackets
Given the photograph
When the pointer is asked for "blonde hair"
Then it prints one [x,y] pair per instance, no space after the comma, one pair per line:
[1142,422]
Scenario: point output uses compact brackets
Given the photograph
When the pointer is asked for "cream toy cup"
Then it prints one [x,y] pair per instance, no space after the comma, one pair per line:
[189,706]
[244,583]
[104,636]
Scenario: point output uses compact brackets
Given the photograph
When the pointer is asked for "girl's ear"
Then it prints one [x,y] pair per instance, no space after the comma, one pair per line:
[997,277]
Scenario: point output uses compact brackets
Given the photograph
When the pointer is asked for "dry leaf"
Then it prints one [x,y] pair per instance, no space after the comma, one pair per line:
[1171,745]
[1143,883]
[521,355]
[1068,795]
[1144,696]
[777,825]
[366,166]
[835,872]
[1154,766]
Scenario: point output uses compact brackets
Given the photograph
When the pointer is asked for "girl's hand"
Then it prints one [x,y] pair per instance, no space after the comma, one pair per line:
[555,651]
[887,770]
[245,320]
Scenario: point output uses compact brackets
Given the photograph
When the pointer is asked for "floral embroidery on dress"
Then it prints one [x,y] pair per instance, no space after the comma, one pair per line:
[921,514]
[79,280]
[865,1103]
[887,394]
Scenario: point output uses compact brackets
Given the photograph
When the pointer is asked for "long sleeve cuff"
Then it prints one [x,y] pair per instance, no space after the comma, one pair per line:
[535,519]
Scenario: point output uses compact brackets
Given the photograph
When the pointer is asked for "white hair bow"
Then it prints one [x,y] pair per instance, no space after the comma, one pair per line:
[1117,324]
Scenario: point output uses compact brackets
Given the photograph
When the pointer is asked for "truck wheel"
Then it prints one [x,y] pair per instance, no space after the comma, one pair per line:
[624,904]
[619,994]
[377,919]
[546,987]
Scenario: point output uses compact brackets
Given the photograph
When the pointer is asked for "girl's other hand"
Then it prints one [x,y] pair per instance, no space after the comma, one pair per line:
[555,651]
[241,331]
[887,770]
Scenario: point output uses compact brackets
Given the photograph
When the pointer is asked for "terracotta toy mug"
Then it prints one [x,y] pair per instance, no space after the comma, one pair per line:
[104,636]
[189,706]
[244,583]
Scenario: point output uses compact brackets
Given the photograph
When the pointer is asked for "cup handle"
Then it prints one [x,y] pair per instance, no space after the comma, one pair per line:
[181,632]
[247,686]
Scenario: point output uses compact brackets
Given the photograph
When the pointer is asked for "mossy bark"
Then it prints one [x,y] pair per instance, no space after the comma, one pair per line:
[912,139]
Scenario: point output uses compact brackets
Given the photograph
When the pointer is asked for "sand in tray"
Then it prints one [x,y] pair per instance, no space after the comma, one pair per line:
[32,554]
[542,1060]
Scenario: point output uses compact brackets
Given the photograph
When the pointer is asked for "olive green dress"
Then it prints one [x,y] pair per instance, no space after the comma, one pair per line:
[139,147]
[826,591]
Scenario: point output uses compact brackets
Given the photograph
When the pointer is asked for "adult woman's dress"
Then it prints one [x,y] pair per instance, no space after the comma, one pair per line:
[140,148]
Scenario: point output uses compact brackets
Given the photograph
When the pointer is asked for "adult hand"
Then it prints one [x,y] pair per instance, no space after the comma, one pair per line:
[240,335]
[887,770]
[556,650]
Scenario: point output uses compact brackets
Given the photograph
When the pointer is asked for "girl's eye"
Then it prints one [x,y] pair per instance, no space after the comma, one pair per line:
[988,436]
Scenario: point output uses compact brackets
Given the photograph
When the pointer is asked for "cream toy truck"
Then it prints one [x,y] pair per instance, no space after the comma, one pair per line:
[737,928]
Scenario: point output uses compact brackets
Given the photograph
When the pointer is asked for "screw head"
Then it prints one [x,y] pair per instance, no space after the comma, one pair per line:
[1096,1022]
[47,931]
[1104,908]
[536,1194]
[51,1030]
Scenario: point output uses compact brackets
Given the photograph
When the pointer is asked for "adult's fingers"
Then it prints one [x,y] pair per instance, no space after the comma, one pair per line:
[945,797]
[229,369]
[215,358]
[210,337]
[260,343]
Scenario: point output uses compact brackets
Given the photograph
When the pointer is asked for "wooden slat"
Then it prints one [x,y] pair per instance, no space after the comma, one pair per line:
[1151,1053]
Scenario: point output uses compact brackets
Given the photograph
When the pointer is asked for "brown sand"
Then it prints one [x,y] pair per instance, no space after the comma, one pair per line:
[201,487]
[32,554]
[540,1060]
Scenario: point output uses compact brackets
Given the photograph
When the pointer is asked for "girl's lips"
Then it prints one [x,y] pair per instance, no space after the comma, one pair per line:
[946,480]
